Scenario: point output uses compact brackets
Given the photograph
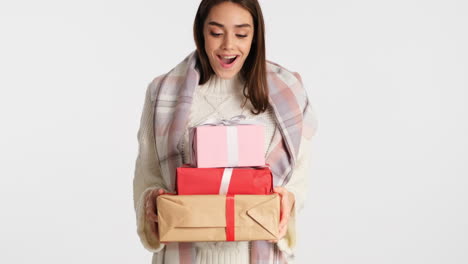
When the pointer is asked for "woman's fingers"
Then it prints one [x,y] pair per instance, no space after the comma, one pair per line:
[283,193]
[283,226]
[284,222]
[154,229]
[150,205]
[150,210]
[282,232]
[152,216]
[284,210]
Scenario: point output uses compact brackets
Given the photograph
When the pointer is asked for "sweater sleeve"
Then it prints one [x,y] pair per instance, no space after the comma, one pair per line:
[298,183]
[147,174]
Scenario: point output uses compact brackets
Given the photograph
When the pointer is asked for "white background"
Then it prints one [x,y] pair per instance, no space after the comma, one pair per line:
[388,80]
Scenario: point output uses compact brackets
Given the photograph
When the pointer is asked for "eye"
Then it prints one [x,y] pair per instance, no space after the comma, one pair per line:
[215,34]
[241,36]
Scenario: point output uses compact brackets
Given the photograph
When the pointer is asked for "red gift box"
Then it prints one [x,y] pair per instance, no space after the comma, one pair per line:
[224,180]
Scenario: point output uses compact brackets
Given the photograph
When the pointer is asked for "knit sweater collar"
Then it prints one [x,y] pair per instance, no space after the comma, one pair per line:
[217,86]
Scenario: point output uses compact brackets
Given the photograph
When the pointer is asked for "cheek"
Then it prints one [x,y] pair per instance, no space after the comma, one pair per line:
[207,45]
[210,46]
[246,47]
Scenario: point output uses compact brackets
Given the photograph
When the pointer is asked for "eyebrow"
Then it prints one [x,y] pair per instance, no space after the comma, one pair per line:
[213,23]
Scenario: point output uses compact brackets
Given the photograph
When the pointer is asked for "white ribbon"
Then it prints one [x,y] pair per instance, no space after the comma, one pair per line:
[232,146]
[234,121]
[225,181]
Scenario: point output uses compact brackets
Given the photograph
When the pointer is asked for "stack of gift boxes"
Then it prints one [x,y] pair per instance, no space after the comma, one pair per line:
[225,194]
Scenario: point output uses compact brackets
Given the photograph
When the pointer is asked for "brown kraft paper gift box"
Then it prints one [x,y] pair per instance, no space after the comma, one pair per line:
[190,218]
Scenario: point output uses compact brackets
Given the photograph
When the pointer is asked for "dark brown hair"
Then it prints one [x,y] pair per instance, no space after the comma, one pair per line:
[254,69]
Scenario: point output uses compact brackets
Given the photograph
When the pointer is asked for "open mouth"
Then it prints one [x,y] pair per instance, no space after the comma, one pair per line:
[227,61]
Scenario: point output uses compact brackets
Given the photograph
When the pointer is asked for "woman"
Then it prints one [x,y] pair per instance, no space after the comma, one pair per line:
[226,76]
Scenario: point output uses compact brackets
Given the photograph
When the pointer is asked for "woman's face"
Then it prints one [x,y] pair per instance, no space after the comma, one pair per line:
[228,33]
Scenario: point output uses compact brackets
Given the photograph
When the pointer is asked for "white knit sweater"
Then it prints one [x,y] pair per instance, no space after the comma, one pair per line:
[221,99]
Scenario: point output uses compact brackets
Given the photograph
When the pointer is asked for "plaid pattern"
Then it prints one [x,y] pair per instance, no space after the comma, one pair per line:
[172,94]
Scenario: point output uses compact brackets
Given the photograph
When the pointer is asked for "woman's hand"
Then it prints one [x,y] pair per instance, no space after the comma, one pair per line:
[286,204]
[151,210]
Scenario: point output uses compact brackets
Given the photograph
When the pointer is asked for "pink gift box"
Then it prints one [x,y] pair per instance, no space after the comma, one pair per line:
[227,146]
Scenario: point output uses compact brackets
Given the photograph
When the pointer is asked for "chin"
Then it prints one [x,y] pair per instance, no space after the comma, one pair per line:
[226,75]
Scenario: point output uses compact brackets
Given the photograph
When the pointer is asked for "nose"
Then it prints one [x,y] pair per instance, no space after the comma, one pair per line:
[228,42]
